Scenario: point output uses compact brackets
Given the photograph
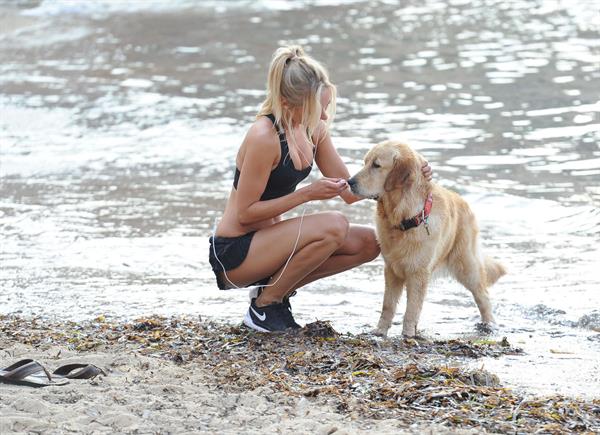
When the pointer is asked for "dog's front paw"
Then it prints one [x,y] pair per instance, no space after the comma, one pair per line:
[409,331]
[419,337]
[486,328]
[379,332]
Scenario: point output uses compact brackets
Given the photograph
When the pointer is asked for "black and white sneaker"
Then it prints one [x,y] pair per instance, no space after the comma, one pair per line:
[269,318]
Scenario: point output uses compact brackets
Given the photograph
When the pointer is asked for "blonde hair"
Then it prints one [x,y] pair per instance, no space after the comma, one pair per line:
[299,80]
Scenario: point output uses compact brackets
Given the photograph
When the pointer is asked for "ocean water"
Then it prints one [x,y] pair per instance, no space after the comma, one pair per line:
[120,120]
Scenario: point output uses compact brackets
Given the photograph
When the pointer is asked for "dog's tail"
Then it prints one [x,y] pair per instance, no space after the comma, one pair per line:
[494,270]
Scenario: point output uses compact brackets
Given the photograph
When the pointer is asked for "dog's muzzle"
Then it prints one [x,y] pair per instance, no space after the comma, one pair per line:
[354,188]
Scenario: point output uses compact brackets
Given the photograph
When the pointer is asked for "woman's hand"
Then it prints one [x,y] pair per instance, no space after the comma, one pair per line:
[426,170]
[325,188]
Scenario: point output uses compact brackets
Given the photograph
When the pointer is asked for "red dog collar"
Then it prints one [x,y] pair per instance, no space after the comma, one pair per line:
[417,220]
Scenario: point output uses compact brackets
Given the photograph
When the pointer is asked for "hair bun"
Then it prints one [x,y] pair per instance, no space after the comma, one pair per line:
[295,51]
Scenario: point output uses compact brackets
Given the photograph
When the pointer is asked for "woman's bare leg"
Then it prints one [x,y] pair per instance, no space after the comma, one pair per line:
[321,235]
[360,247]
[302,263]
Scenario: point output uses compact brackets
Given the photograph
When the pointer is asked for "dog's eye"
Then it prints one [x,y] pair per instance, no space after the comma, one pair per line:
[376,166]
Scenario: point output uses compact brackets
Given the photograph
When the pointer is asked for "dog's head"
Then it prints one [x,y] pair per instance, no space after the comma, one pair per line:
[389,166]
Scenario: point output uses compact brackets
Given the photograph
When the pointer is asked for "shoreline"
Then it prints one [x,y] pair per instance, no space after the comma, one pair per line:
[187,375]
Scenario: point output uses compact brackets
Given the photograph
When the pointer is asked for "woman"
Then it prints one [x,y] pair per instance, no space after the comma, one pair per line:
[252,244]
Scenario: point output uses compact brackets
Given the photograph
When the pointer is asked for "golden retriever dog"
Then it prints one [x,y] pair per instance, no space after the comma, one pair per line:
[421,227]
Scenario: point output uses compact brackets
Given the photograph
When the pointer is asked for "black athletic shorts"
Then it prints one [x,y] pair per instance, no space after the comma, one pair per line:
[230,253]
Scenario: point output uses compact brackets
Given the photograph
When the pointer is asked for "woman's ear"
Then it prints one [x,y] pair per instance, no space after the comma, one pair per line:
[400,175]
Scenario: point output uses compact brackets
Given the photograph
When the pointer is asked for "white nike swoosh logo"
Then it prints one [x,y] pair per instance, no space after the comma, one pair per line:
[261,318]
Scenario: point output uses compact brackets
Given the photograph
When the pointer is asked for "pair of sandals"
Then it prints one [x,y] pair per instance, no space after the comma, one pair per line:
[32,374]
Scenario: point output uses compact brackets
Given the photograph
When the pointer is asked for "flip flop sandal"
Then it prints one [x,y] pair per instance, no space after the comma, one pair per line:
[30,373]
[78,371]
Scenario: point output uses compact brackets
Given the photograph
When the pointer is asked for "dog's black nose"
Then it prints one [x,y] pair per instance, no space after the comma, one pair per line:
[352,184]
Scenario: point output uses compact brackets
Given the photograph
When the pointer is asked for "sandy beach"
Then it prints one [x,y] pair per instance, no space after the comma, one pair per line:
[120,122]
[142,394]
[148,395]
[190,376]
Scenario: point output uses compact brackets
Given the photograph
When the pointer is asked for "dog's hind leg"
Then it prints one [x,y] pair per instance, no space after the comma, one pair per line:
[468,265]
[393,291]
[471,272]
[416,288]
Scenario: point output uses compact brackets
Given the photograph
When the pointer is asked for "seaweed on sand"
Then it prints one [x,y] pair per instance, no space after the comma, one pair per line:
[410,380]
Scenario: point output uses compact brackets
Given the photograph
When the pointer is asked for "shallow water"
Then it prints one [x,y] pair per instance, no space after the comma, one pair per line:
[120,121]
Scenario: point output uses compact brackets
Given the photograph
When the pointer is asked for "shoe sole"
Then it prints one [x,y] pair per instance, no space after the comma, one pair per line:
[250,324]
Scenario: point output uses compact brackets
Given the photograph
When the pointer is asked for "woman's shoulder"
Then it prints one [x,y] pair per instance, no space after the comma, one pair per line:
[320,132]
[262,134]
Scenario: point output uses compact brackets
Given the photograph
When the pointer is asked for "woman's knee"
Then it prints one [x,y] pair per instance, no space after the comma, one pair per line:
[371,246]
[335,227]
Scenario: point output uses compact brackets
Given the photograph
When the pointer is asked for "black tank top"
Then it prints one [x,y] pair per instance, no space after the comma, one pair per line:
[285,177]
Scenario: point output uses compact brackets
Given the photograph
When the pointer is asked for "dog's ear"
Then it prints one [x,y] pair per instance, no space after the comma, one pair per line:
[400,175]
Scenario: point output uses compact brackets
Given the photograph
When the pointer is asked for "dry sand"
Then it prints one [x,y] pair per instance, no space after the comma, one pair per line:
[148,395]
